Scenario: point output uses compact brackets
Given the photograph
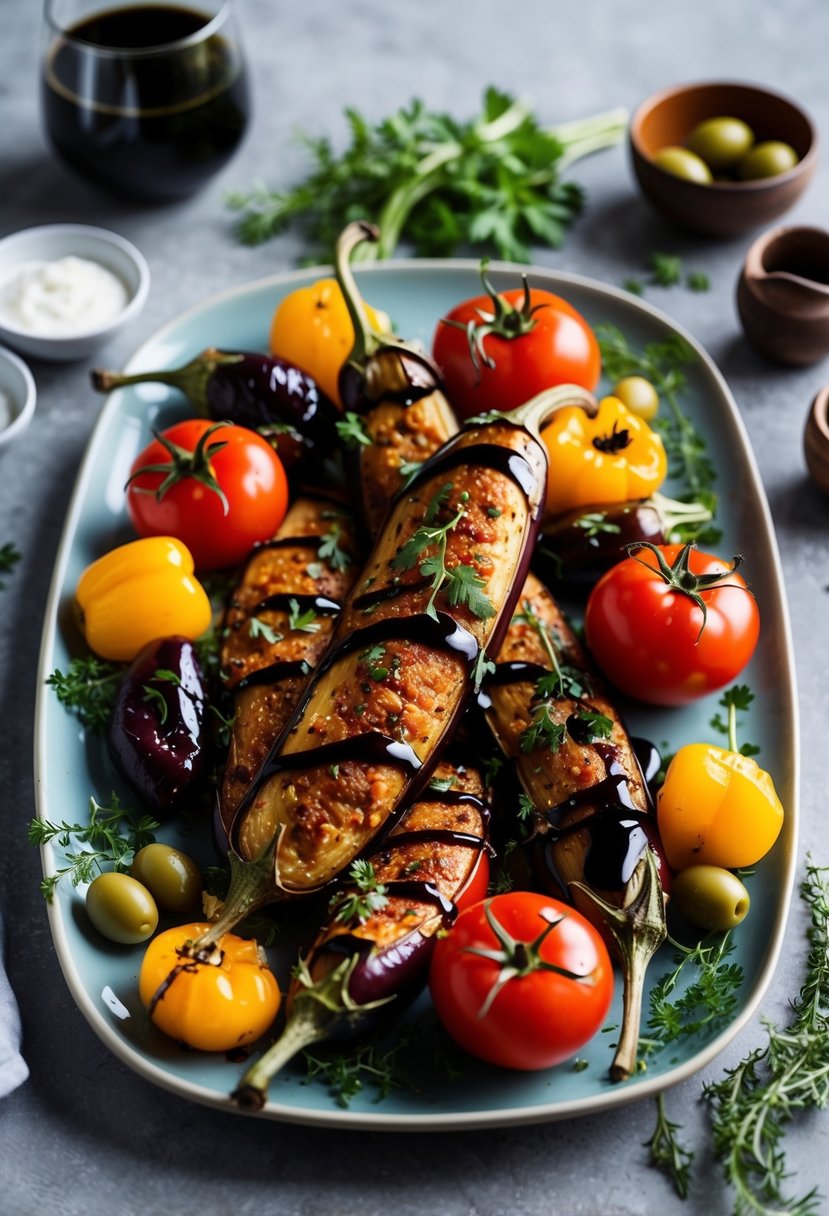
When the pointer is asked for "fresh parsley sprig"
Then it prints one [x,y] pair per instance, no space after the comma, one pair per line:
[368,896]
[461,583]
[734,700]
[113,833]
[493,182]
[351,430]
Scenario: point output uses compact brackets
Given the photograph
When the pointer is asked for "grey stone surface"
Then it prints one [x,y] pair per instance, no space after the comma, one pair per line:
[86,1137]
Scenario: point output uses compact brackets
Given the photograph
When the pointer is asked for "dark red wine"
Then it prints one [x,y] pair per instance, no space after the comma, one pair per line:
[153,124]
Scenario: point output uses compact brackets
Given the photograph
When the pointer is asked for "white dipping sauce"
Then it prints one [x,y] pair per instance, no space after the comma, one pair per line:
[62,298]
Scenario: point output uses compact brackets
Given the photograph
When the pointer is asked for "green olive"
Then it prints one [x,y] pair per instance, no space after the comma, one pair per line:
[682,163]
[172,877]
[639,395]
[767,160]
[710,897]
[121,908]
[721,142]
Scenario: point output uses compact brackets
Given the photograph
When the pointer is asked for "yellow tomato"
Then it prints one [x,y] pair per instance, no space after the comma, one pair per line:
[139,592]
[717,807]
[613,457]
[227,1001]
[312,328]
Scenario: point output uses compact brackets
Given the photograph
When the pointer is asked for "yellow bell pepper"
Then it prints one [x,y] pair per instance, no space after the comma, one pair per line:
[613,457]
[139,592]
[313,329]
[717,807]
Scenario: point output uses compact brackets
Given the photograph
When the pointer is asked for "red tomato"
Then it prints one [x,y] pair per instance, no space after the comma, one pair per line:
[644,631]
[550,344]
[217,488]
[526,1017]
[477,883]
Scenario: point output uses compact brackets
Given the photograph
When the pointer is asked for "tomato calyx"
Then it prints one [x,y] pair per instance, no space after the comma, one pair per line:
[506,320]
[518,958]
[184,464]
[679,576]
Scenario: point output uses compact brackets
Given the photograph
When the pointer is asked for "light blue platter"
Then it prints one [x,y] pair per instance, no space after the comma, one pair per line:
[69,767]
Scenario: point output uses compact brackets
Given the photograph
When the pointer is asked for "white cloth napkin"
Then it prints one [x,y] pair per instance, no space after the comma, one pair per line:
[13,1068]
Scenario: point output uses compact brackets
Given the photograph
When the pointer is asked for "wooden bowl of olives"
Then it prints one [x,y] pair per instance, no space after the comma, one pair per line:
[722,159]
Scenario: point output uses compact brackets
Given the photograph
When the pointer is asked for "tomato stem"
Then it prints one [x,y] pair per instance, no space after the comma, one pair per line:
[516,959]
[681,578]
[184,463]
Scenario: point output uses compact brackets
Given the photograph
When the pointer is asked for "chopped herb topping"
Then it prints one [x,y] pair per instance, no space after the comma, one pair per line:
[261,629]
[369,895]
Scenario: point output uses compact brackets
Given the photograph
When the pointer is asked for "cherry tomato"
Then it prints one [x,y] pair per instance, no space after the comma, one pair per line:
[226,1001]
[217,488]
[544,994]
[648,632]
[496,351]
[476,885]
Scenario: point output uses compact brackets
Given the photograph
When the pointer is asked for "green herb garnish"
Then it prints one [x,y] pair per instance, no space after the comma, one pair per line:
[351,430]
[9,557]
[369,896]
[114,834]
[461,583]
[88,689]
[493,182]
[261,629]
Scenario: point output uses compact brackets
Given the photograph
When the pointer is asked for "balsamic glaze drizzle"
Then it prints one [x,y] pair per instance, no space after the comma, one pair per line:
[485,455]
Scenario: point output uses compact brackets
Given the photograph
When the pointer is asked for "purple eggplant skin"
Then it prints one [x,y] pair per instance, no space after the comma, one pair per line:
[157,736]
[396,974]
[261,391]
[585,542]
[252,390]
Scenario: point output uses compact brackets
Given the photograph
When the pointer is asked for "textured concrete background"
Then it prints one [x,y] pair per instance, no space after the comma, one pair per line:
[85,1135]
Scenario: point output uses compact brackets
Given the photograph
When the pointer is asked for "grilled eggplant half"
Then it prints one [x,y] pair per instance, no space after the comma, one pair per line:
[372,955]
[593,824]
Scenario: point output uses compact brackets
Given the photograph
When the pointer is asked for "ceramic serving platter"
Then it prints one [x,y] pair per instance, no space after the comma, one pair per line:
[71,767]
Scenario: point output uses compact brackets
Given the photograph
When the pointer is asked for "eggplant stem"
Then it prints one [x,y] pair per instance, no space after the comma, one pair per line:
[367,341]
[191,378]
[305,1026]
[320,1008]
[251,886]
[636,930]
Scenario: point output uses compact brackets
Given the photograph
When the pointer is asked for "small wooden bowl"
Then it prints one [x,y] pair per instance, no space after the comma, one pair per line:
[721,208]
[816,440]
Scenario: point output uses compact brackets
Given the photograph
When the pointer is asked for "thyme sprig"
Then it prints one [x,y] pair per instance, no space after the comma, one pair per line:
[88,689]
[708,1001]
[461,583]
[114,834]
[666,1152]
[754,1103]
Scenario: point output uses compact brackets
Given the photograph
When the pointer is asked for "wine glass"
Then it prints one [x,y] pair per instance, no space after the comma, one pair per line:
[147,99]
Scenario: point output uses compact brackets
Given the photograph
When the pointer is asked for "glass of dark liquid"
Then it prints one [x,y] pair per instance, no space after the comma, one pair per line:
[149,100]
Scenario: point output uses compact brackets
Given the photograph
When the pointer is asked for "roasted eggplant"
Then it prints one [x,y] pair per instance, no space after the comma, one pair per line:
[395,388]
[583,543]
[258,391]
[157,736]
[438,588]
[372,956]
[278,622]
[593,827]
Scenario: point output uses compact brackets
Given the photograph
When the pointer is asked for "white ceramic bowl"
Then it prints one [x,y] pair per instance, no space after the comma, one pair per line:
[17,404]
[51,242]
